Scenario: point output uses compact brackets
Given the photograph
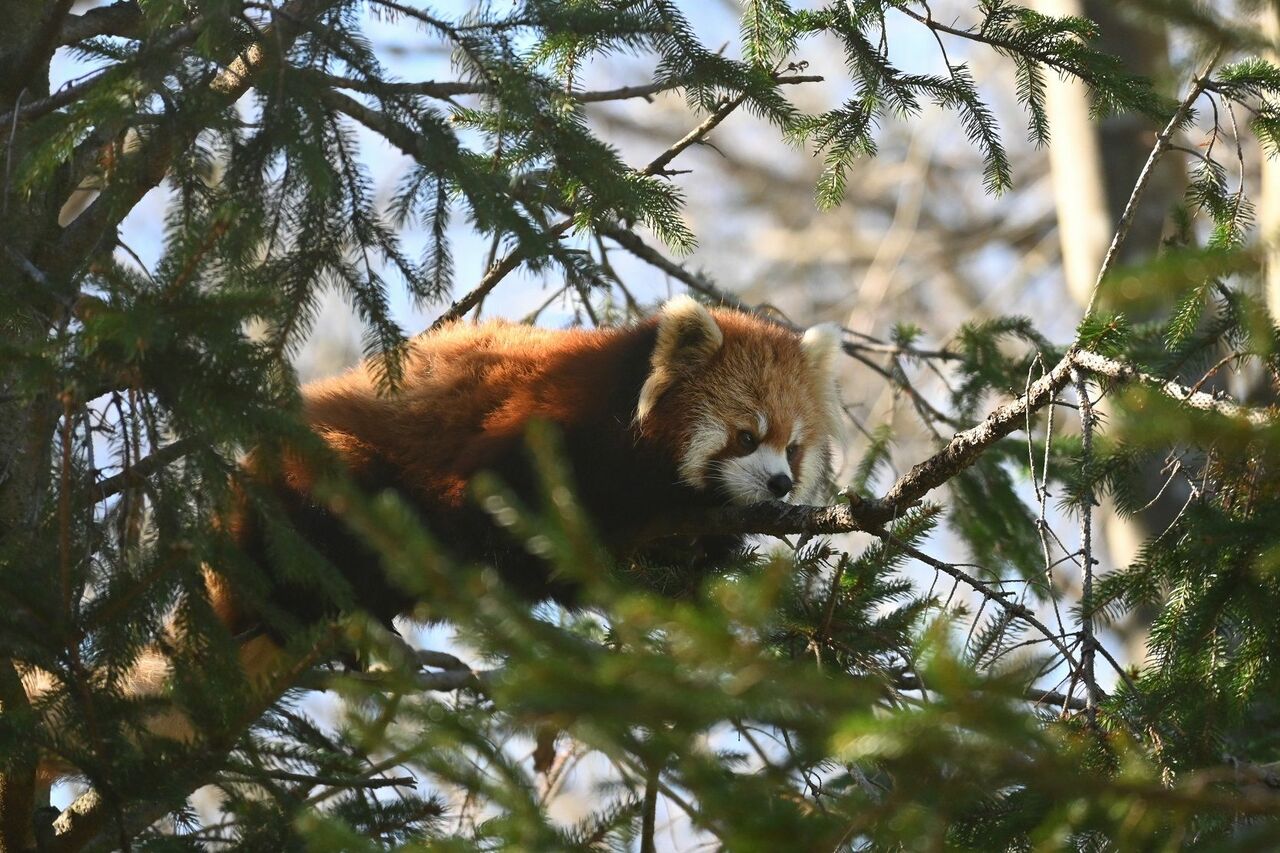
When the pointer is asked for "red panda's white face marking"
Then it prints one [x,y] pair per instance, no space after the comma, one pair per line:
[746,406]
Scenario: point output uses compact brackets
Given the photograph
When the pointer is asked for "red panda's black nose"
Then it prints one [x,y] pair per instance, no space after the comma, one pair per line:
[780,484]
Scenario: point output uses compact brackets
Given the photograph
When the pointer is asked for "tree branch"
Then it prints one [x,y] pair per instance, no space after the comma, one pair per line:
[119,19]
[446,89]
[1121,372]
[73,91]
[40,46]
[775,518]
[327,781]
[143,468]
[910,682]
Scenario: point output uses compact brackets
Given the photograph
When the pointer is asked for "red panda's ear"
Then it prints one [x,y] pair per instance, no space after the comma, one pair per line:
[688,337]
[820,344]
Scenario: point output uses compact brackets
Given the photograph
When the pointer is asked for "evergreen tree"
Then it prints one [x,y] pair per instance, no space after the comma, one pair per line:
[808,697]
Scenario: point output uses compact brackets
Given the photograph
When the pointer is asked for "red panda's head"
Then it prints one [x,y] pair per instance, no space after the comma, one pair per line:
[745,406]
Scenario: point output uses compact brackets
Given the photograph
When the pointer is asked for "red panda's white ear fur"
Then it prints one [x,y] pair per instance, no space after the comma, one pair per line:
[821,344]
[688,337]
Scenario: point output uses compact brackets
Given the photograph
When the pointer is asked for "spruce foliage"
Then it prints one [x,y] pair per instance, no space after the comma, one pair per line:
[813,694]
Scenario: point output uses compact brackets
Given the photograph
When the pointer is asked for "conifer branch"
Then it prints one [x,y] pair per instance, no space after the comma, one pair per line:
[776,518]
[1121,372]
[446,89]
[910,682]
[502,268]
[148,166]
[325,780]
[71,92]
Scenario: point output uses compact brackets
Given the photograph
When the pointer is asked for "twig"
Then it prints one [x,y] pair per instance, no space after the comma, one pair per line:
[1088,642]
[657,165]
[1163,140]
[459,308]
[1000,597]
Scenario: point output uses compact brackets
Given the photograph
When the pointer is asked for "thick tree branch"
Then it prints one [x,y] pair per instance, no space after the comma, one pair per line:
[20,72]
[119,19]
[74,91]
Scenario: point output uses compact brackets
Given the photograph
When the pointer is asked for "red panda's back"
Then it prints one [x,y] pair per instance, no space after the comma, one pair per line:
[467,393]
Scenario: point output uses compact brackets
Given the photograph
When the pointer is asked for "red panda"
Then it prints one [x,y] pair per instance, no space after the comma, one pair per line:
[692,408]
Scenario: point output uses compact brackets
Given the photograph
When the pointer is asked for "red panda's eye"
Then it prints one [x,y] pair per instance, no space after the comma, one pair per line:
[746,441]
[792,450]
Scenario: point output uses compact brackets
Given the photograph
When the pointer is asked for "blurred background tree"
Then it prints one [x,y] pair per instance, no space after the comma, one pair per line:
[1036,228]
